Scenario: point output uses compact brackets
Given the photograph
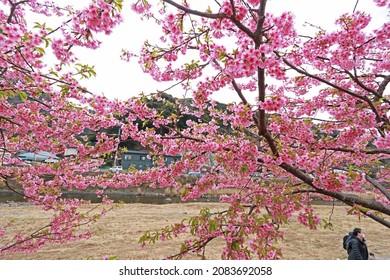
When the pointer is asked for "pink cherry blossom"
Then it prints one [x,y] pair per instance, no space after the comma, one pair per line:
[311,121]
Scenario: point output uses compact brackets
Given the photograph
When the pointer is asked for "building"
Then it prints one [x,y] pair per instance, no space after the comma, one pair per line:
[70,152]
[142,161]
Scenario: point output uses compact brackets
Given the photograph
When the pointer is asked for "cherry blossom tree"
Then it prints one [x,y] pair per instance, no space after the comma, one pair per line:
[44,108]
[312,121]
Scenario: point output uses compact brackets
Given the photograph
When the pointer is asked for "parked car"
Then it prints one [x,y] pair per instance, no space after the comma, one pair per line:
[116,169]
[195,173]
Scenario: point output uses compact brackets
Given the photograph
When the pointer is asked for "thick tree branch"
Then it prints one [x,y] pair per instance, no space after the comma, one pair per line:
[242,27]
[242,97]
[383,85]
[375,217]
[303,191]
[258,34]
[13,8]
[368,152]
[349,199]
[239,92]
[378,186]
[354,200]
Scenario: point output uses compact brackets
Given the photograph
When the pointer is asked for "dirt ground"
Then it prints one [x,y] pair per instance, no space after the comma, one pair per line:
[118,233]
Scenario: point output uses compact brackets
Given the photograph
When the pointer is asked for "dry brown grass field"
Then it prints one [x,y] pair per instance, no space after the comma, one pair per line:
[118,233]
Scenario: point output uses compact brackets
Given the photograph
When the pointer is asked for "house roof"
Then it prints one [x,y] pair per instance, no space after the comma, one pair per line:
[40,156]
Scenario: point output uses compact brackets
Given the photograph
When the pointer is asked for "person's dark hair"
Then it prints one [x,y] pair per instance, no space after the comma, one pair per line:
[356,231]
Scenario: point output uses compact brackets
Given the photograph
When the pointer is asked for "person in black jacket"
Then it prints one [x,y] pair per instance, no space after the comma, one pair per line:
[357,246]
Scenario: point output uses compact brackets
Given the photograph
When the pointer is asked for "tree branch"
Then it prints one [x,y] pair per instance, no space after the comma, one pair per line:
[194,12]
[376,218]
[383,85]
[353,200]
[9,120]
[368,152]
[347,91]
[304,72]
[349,199]
[212,16]
[239,92]
[258,34]
[379,186]
[13,8]
[363,86]
[192,248]
[15,191]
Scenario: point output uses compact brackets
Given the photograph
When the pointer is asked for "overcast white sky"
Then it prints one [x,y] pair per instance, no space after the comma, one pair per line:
[119,79]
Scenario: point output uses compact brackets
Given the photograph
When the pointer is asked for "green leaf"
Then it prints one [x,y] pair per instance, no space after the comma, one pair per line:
[181,25]
[37,25]
[40,50]
[244,168]
[118,5]
[47,41]
[327,224]
[284,219]
[235,247]
[213,225]
[23,95]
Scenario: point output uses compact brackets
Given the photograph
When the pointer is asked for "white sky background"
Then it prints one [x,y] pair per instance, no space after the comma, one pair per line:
[120,79]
